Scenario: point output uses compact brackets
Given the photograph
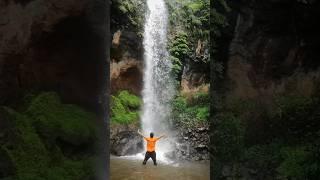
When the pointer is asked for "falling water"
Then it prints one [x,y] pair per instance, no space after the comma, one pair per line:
[158,87]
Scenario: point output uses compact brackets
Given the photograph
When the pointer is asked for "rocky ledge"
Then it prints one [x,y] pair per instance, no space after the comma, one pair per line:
[193,142]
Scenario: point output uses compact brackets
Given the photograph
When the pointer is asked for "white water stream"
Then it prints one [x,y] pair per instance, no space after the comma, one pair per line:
[158,84]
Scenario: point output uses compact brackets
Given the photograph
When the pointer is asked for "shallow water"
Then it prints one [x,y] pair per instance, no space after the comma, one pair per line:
[126,168]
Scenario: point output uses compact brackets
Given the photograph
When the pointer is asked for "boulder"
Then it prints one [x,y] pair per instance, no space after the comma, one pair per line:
[126,143]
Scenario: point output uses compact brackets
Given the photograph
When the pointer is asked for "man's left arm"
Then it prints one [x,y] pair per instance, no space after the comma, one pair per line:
[141,134]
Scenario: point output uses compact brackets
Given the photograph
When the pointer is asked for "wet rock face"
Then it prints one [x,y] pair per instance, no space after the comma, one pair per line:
[126,62]
[193,142]
[50,45]
[126,143]
[126,74]
[272,41]
[22,21]
[124,139]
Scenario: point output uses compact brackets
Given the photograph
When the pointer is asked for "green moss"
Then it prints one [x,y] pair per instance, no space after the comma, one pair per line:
[55,120]
[124,108]
[32,142]
[25,148]
[129,100]
[71,169]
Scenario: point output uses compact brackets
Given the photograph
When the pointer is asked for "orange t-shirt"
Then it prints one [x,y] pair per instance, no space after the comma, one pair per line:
[151,144]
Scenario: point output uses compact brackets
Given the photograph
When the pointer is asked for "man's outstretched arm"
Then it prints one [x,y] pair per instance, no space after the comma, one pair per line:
[141,133]
[162,136]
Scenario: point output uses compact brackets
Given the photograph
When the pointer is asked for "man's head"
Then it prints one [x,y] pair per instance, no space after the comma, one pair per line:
[151,134]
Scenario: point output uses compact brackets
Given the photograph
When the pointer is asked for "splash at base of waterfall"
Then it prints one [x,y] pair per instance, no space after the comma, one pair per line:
[163,154]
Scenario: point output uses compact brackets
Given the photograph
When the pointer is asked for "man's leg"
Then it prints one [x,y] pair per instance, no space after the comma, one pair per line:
[146,157]
[154,158]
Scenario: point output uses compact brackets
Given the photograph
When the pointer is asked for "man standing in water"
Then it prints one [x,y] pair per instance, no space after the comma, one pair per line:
[151,145]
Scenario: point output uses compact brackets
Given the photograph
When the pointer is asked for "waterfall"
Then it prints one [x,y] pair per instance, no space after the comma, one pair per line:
[158,84]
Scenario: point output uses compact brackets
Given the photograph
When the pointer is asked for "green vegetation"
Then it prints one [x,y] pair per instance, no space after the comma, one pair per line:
[293,162]
[55,120]
[179,51]
[42,142]
[191,16]
[192,110]
[125,108]
[288,144]
[133,10]
[188,34]
[262,157]
[229,137]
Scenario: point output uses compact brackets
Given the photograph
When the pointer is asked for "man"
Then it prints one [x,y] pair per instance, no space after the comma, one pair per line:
[151,144]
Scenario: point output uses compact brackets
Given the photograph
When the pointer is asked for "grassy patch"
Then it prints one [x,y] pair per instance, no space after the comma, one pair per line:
[191,110]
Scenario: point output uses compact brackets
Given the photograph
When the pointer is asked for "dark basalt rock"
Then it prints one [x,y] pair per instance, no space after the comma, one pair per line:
[126,143]
[194,142]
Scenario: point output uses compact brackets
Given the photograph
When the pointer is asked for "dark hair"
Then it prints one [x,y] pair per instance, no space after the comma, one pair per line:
[151,134]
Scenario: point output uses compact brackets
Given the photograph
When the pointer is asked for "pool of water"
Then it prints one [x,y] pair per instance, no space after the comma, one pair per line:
[131,168]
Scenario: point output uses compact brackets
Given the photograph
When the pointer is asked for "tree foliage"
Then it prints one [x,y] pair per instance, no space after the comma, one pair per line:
[191,16]
[131,10]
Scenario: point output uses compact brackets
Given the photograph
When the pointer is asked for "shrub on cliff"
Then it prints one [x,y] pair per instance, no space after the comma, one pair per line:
[129,100]
[192,110]
[179,50]
[125,107]
[296,117]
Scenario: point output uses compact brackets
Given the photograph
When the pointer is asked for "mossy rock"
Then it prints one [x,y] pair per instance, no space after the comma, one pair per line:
[31,140]
[24,148]
[56,120]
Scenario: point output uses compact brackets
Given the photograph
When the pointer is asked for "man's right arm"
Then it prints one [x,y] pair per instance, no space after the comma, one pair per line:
[163,136]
